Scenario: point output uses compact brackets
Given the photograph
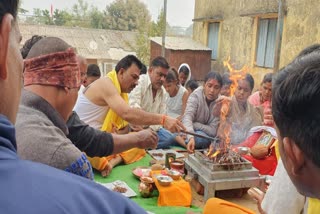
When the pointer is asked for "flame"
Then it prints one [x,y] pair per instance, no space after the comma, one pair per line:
[215,154]
[226,127]
[235,76]
[210,150]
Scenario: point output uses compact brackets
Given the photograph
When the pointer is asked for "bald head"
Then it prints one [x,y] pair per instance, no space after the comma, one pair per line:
[82,62]
[46,46]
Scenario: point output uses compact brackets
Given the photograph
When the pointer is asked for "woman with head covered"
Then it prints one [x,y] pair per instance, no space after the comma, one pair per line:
[184,72]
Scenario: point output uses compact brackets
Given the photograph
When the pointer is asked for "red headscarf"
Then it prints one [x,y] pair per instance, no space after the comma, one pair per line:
[56,69]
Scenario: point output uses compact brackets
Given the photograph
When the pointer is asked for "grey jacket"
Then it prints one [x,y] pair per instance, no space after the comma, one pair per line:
[198,115]
[41,137]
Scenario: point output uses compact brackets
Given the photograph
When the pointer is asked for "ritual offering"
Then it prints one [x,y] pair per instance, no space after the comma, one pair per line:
[161,154]
[169,158]
[177,166]
[157,154]
[175,175]
[121,187]
[146,187]
[156,167]
[219,169]
[243,150]
[141,171]
[164,180]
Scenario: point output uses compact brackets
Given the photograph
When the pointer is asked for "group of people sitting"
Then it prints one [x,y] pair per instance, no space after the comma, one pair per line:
[154,105]
[125,101]
[115,118]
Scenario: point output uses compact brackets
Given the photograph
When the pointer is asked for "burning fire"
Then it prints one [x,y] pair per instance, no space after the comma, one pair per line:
[212,154]
[225,126]
[215,154]
[235,74]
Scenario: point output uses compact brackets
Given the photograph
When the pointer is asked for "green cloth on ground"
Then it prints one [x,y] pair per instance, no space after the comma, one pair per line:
[124,173]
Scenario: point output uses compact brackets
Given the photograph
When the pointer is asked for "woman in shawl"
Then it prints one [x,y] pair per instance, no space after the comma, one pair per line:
[184,73]
[243,115]
[246,130]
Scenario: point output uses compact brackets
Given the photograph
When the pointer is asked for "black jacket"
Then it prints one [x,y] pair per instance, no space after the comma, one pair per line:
[93,142]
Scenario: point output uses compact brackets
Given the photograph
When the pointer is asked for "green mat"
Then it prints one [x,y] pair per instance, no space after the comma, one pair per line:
[124,173]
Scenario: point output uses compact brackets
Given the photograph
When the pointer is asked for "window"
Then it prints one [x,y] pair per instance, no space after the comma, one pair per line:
[266,42]
[213,36]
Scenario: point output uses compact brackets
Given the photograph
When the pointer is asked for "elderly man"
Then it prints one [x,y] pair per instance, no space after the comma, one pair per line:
[38,188]
[52,80]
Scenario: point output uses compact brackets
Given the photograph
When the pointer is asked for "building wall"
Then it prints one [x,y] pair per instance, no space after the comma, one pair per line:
[92,61]
[199,61]
[155,50]
[239,24]
[301,28]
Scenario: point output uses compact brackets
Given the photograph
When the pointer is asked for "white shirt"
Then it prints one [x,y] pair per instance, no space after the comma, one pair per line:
[282,196]
[89,112]
[174,104]
[141,97]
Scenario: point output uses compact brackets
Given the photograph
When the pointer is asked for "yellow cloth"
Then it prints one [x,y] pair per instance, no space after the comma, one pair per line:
[313,206]
[219,206]
[128,156]
[111,116]
[276,148]
[177,194]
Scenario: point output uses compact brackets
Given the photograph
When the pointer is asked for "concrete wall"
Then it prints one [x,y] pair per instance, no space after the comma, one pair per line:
[239,24]
[301,28]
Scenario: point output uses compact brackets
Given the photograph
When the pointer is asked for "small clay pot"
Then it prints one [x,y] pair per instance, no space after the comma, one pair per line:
[177,165]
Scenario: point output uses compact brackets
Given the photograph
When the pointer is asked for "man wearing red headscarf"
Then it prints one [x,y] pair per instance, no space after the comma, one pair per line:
[51,84]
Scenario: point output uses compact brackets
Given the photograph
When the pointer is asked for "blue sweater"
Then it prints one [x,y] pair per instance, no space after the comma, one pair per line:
[29,187]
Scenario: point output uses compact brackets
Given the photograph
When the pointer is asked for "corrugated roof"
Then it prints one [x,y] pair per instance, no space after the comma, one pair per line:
[180,43]
[90,43]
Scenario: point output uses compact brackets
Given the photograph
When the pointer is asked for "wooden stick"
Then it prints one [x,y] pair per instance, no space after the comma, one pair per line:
[200,135]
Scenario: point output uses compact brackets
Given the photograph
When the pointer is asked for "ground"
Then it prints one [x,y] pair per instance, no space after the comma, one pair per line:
[245,201]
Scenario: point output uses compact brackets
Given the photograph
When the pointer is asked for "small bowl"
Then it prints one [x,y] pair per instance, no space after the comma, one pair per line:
[175,175]
[164,180]
[243,150]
